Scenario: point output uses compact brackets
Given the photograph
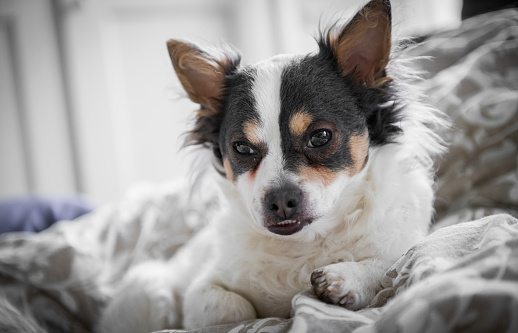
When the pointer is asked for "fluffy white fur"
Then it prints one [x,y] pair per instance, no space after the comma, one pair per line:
[235,269]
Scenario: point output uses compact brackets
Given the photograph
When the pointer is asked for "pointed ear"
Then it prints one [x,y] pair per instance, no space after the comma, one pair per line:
[202,74]
[362,47]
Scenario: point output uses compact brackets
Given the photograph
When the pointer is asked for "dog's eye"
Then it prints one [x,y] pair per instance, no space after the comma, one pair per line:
[243,148]
[319,138]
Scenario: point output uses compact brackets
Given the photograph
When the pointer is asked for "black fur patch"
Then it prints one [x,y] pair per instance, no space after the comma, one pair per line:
[335,103]
[381,106]
[315,86]
[238,109]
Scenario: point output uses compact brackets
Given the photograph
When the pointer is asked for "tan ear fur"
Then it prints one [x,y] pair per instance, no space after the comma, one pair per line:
[363,46]
[201,74]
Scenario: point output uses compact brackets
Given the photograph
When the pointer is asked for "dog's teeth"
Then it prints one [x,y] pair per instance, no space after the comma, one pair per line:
[287,222]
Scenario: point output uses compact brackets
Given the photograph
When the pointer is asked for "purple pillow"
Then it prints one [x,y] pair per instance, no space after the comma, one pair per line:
[35,214]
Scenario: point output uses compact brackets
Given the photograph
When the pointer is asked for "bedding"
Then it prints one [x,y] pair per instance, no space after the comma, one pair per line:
[463,276]
[33,213]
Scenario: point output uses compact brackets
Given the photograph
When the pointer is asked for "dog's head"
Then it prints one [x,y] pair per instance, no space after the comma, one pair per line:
[291,132]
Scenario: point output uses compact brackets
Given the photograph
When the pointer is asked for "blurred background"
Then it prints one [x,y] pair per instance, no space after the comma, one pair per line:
[89,102]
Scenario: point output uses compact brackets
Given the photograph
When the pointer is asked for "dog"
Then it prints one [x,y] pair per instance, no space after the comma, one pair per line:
[326,164]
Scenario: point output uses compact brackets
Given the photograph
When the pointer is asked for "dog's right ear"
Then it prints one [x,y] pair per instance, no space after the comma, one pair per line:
[202,74]
[362,47]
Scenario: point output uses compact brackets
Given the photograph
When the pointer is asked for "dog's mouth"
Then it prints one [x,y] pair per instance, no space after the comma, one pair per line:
[288,227]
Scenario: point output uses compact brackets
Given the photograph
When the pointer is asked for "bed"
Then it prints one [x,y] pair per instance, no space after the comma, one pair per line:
[462,277]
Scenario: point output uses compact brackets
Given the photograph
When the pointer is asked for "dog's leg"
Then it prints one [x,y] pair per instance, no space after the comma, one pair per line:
[349,284]
[143,302]
[211,304]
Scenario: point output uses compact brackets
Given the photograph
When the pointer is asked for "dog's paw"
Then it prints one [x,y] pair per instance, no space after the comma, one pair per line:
[341,284]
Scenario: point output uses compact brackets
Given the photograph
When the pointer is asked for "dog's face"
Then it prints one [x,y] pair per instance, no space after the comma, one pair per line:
[291,137]
[291,132]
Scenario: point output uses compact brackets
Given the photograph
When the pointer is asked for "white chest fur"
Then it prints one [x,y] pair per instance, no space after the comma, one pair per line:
[268,271]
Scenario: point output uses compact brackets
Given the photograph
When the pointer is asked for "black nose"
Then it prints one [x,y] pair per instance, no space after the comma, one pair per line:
[283,203]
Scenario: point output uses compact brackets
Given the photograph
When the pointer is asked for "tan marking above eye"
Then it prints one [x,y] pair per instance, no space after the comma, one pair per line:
[251,131]
[299,122]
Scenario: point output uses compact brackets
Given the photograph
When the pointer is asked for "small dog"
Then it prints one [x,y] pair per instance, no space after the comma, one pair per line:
[328,180]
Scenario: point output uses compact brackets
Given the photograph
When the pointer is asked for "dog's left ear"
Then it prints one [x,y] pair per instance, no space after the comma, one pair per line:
[362,47]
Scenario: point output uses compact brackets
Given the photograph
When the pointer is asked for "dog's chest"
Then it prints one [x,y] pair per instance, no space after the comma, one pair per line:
[270,276]
[270,285]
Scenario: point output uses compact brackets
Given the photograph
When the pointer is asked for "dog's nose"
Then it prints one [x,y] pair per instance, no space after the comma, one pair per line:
[284,202]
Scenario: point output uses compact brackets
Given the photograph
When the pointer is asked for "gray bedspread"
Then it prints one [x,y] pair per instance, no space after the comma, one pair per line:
[462,277]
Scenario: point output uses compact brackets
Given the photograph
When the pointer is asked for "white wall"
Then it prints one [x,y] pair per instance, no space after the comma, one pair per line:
[35,150]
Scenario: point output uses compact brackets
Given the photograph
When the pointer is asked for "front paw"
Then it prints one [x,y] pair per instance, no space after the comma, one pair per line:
[338,284]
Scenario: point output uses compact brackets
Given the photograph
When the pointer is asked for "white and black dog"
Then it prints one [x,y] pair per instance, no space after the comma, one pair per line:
[328,180]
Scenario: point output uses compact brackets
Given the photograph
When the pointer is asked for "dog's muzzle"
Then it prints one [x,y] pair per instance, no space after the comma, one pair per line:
[283,209]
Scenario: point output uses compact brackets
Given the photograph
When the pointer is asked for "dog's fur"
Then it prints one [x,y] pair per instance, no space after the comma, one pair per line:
[327,165]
